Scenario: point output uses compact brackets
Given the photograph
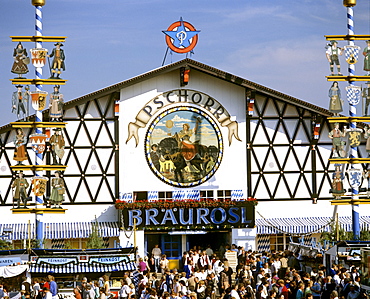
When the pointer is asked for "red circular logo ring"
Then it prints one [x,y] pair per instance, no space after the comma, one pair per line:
[193,41]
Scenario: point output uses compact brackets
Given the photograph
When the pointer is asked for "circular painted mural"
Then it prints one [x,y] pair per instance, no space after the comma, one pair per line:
[184,146]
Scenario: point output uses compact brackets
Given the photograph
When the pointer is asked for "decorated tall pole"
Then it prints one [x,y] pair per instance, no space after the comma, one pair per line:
[353,99]
[38,139]
[38,72]
[353,94]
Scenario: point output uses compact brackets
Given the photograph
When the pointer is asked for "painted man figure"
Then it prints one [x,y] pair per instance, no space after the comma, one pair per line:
[57,146]
[20,61]
[338,144]
[58,61]
[20,102]
[332,54]
[20,186]
[155,157]
[56,104]
[57,191]
[367,58]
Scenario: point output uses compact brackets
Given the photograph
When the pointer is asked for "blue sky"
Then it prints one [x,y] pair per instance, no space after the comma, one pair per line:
[278,44]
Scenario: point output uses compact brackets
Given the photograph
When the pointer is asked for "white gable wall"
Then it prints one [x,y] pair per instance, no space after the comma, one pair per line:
[135,174]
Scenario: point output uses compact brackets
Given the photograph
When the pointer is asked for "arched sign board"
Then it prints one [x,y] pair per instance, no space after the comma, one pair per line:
[183,142]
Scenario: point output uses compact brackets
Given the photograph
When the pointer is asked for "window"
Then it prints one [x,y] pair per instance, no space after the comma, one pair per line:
[277,242]
[141,195]
[206,194]
[76,243]
[165,195]
[171,246]
[18,244]
[223,194]
[280,242]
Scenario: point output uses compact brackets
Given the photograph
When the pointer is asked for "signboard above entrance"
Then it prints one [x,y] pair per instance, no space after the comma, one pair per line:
[186,215]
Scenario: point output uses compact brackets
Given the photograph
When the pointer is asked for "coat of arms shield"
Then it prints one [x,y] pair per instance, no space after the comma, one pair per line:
[39,185]
[351,53]
[353,94]
[39,99]
[39,57]
[38,142]
[355,177]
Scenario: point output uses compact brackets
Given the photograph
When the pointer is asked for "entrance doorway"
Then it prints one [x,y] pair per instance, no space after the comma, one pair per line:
[170,245]
[215,239]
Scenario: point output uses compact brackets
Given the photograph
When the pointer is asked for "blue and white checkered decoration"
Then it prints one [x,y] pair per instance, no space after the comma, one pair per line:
[263,243]
[126,196]
[353,94]
[178,195]
[307,240]
[351,53]
[136,280]
[193,194]
[236,194]
[106,242]
[58,244]
[152,195]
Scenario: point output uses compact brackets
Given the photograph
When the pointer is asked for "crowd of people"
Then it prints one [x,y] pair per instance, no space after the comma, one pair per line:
[205,274]
[45,288]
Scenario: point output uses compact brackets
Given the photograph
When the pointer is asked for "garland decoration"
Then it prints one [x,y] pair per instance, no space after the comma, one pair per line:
[187,203]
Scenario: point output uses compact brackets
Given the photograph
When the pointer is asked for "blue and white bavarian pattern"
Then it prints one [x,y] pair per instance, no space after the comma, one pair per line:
[353,94]
[351,53]
[178,195]
[237,194]
[193,194]
[152,195]
[263,243]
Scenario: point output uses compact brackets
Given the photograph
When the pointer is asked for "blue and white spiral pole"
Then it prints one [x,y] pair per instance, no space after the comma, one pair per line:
[352,113]
[39,161]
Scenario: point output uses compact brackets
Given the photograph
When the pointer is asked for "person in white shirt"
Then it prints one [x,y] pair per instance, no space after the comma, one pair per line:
[195,257]
[47,294]
[234,293]
[260,275]
[336,278]
[217,266]
[156,254]
[124,291]
[204,260]
[276,265]
[210,270]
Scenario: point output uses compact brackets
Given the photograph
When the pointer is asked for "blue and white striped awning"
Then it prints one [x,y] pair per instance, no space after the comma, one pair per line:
[76,230]
[305,225]
[82,268]
[66,230]
[19,231]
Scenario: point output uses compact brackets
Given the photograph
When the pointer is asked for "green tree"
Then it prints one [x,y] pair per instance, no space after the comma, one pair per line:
[5,245]
[95,240]
[68,245]
[337,233]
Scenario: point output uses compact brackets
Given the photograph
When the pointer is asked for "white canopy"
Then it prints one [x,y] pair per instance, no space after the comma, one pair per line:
[11,271]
